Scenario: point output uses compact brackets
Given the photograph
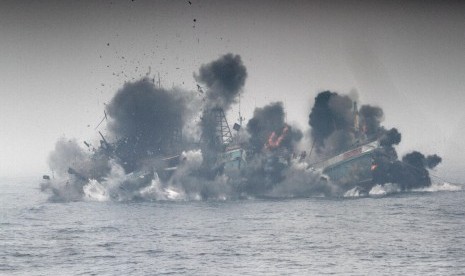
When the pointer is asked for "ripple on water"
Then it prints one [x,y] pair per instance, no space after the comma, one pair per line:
[409,234]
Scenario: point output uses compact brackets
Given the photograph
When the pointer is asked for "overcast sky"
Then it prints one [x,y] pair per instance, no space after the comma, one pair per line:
[60,61]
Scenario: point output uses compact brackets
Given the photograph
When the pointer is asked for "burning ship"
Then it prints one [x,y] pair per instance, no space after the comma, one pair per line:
[354,167]
[146,145]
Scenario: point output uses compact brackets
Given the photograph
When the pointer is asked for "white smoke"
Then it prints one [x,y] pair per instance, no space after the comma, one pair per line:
[184,184]
[119,186]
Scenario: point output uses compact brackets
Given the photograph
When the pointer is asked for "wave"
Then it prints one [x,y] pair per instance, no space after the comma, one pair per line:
[383,190]
[441,187]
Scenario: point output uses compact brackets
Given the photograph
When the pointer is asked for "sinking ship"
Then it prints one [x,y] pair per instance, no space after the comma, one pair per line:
[355,166]
[230,156]
[352,168]
[349,169]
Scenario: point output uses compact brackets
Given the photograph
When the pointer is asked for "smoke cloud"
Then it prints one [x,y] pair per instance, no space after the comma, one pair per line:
[147,154]
[409,174]
[331,121]
[337,126]
[72,167]
[370,119]
[269,120]
[390,138]
[224,78]
[149,120]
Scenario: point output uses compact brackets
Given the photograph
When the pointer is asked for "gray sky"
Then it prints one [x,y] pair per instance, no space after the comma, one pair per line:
[60,61]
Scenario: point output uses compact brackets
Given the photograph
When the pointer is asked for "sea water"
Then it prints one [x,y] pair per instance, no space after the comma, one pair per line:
[414,233]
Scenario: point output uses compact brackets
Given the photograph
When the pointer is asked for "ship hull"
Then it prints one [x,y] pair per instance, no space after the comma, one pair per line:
[352,168]
[355,172]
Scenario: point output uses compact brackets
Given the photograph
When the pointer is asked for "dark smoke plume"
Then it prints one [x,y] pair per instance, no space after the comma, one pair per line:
[370,119]
[269,120]
[410,172]
[224,79]
[432,161]
[333,121]
[413,173]
[390,138]
[331,114]
[271,144]
[147,120]
[144,154]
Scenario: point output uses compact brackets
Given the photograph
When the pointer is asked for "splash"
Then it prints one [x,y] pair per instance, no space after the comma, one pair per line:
[441,187]
[383,190]
[152,150]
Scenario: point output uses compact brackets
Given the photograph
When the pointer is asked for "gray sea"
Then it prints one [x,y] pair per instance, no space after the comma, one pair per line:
[414,233]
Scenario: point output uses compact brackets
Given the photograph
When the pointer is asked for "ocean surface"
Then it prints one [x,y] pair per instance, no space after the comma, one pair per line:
[415,233]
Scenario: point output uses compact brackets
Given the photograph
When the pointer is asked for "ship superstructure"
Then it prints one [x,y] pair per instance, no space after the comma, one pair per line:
[229,155]
[353,167]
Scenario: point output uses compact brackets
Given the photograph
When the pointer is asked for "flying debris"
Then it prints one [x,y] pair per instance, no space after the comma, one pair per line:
[199,89]
[103,119]
[155,147]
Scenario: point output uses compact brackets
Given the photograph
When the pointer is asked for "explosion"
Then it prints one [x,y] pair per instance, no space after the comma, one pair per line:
[334,130]
[273,141]
[150,152]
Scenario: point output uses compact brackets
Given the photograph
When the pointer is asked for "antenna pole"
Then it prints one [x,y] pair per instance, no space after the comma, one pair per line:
[311,150]
[240,116]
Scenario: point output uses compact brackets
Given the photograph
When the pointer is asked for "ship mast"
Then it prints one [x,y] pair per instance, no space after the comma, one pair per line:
[357,130]
[240,115]
[222,131]
[220,134]
[356,118]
